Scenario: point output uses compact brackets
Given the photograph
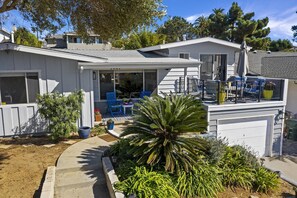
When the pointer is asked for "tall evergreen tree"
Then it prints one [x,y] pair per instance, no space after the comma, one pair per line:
[200,26]
[175,28]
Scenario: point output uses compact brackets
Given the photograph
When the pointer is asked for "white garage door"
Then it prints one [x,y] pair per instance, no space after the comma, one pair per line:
[248,133]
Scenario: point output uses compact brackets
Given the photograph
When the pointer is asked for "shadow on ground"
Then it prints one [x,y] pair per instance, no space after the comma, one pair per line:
[3,157]
[92,166]
[290,149]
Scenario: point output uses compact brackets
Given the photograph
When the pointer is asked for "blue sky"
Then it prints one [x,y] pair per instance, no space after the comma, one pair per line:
[282,13]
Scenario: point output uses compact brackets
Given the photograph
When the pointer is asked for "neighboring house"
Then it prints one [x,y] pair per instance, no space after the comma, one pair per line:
[70,40]
[278,65]
[26,71]
[4,36]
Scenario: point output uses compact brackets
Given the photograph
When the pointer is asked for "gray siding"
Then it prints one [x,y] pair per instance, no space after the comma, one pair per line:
[207,48]
[216,116]
[55,74]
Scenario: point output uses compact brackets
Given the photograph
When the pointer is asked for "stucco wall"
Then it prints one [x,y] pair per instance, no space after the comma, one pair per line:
[55,74]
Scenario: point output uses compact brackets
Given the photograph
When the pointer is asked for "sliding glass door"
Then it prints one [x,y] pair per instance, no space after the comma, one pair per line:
[126,84]
[213,66]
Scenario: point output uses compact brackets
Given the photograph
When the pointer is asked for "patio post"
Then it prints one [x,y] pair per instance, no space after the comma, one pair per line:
[185,80]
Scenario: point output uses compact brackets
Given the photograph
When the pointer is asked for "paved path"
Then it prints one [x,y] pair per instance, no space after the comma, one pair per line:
[79,170]
[286,167]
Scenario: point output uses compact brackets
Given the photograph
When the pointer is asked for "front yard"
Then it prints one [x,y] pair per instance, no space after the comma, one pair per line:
[23,164]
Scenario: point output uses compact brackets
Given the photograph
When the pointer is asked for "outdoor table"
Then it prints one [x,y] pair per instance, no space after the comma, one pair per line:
[127,106]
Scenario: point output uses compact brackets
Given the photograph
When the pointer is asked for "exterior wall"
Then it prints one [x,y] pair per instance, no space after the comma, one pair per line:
[255,111]
[3,37]
[168,78]
[292,97]
[55,74]
[208,48]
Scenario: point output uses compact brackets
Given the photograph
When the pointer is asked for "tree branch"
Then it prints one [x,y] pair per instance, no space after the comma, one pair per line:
[8,5]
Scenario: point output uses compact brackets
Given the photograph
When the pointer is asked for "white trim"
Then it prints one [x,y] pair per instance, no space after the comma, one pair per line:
[239,106]
[49,52]
[191,42]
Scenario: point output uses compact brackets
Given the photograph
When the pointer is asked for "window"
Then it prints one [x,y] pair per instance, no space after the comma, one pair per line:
[184,55]
[16,88]
[127,84]
[106,83]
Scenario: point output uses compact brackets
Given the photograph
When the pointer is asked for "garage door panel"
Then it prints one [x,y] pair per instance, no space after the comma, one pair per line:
[249,133]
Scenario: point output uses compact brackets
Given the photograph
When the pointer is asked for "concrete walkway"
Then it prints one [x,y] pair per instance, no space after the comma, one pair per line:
[79,170]
[286,167]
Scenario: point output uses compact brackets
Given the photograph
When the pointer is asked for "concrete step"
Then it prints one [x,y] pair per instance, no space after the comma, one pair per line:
[79,168]
[69,179]
[96,191]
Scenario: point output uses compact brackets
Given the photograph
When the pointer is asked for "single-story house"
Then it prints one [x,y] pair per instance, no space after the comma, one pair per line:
[278,65]
[25,71]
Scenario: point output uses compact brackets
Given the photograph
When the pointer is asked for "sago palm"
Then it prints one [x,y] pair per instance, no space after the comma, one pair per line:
[160,129]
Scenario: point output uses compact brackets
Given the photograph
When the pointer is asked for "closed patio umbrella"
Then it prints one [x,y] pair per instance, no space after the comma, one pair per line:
[243,63]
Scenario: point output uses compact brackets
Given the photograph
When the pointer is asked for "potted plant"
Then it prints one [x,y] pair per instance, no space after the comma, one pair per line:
[84,132]
[222,93]
[268,90]
[126,101]
[98,116]
[110,124]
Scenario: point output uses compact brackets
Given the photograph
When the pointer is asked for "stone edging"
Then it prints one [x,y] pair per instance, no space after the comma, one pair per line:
[47,190]
[111,178]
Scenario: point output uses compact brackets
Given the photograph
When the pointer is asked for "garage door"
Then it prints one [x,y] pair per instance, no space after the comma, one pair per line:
[248,133]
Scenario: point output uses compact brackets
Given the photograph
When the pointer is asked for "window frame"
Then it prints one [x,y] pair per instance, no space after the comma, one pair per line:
[184,53]
[8,73]
[143,71]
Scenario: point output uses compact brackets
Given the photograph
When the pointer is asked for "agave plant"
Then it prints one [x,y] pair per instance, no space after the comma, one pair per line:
[161,128]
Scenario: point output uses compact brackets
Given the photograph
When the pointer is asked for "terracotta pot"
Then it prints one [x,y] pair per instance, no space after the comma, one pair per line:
[98,118]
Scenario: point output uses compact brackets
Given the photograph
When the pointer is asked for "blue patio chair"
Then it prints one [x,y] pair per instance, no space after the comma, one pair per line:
[145,93]
[253,88]
[114,106]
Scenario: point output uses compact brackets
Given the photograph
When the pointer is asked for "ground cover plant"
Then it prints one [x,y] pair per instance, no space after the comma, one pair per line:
[161,143]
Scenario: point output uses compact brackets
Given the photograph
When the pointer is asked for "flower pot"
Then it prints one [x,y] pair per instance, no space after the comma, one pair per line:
[110,125]
[222,97]
[267,94]
[84,132]
[98,118]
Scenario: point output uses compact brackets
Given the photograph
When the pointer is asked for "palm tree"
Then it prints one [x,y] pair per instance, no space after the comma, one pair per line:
[160,129]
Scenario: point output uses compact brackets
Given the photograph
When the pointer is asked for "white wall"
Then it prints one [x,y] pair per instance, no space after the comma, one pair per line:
[55,74]
[292,97]
[208,48]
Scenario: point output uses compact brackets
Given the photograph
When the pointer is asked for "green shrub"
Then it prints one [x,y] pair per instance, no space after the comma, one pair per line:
[121,149]
[146,183]
[159,131]
[217,150]
[98,130]
[203,181]
[265,180]
[61,111]
[125,169]
[238,166]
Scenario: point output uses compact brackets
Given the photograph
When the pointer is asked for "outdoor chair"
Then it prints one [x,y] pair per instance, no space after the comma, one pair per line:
[252,88]
[145,93]
[114,106]
[211,89]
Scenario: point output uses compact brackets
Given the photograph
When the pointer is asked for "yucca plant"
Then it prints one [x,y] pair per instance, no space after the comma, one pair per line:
[160,129]
[265,180]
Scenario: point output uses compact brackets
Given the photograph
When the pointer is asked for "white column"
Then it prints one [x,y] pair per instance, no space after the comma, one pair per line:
[185,80]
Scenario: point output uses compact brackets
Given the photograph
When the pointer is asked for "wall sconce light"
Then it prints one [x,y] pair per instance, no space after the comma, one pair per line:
[94,76]
[279,116]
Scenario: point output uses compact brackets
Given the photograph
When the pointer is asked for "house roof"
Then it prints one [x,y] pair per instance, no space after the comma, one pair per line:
[4,32]
[122,59]
[191,42]
[49,52]
[274,64]
[111,53]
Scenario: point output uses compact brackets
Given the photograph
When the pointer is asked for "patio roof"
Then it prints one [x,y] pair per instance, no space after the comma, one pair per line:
[142,63]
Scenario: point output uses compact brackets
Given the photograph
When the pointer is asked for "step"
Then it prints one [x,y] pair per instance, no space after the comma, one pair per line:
[79,168]
[70,179]
[96,191]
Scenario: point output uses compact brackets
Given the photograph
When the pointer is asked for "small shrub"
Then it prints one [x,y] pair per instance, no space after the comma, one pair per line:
[265,180]
[121,149]
[146,183]
[202,181]
[61,111]
[217,150]
[98,130]
[126,169]
[238,166]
